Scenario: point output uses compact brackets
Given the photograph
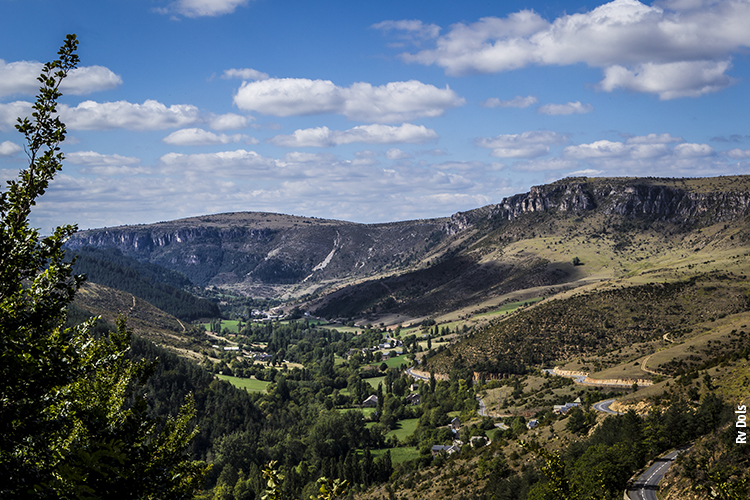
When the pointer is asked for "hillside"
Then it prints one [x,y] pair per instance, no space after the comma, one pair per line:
[624,280]
[417,269]
[142,318]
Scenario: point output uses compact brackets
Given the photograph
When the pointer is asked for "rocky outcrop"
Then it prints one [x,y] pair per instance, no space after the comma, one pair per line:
[633,198]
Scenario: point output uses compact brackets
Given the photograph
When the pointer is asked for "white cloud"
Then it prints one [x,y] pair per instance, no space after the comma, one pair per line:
[8,148]
[202,8]
[244,74]
[653,139]
[412,30]
[670,80]
[92,158]
[368,134]
[224,164]
[545,164]
[688,150]
[588,172]
[646,156]
[397,154]
[151,115]
[392,102]
[200,137]
[516,102]
[571,108]
[11,111]
[738,154]
[228,121]
[598,149]
[530,144]
[673,49]
[21,78]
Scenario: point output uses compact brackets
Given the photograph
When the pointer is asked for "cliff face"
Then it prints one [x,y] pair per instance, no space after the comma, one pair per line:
[629,199]
[267,248]
[273,249]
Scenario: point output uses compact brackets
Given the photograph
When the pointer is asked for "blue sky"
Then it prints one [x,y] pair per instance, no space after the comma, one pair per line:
[371,111]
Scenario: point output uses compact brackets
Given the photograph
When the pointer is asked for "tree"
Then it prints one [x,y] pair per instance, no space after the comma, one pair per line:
[70,426]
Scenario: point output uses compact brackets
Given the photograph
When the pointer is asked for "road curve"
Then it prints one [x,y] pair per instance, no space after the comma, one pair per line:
[418,377]
[646,486]
[603,406]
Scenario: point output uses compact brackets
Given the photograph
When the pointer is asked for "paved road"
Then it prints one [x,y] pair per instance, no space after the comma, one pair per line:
[482,407]
[419,377]
[646,485]
[603,406]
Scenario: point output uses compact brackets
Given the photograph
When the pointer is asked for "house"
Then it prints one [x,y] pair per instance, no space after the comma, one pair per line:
[455,424]
[370,402]
[447,449]
[413,399]
[532,424]
[562,409]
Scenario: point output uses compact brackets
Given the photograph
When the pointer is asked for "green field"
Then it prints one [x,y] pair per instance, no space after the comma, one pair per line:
[230,324]
[393,362]
[249,384]
[366,412]
[375,381]
[398,455]
[405,428]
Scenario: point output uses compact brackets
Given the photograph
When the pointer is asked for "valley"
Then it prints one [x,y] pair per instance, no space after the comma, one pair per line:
[640,285]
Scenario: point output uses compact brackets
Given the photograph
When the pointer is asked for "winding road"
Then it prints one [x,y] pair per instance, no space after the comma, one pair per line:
[646,486]
[603,406]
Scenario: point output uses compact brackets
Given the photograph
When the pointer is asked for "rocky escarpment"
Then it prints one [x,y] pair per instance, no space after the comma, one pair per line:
[268,248]
[261,248]
[662,199]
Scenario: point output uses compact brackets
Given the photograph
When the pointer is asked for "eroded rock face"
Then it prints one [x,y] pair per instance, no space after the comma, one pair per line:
[267,248]
[629,200]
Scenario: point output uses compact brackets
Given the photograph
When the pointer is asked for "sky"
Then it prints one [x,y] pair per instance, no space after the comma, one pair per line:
[370,111]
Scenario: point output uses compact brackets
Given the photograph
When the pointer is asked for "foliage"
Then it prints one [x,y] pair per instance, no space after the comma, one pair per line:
[68,427]
[155,285]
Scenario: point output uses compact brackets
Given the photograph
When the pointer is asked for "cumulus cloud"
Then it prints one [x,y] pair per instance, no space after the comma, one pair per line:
[670,80]
[571,108]
[397,154]
[368,134]
[21,78]
[672,49]
[151,115]
[202,8]
[8,148]
[615,149]
[516,102]
[200,137]
[687,150]
[392,102]
[526,145]
[228,121]
[244,74]
[738,154]
[646,155]
[11,111]
[92,158]
[653,139]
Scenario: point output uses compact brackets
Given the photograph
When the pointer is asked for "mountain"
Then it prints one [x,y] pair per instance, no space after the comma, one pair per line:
[411,270]
[267,254]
